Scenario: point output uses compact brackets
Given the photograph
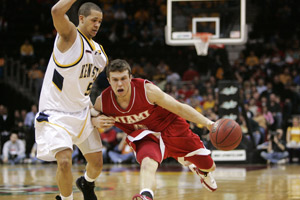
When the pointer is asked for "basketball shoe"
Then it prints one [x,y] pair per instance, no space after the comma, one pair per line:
[140,197]
[58,197]
[87,188]
[206,178]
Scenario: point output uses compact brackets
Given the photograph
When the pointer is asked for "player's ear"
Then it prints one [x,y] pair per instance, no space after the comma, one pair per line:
[81,19]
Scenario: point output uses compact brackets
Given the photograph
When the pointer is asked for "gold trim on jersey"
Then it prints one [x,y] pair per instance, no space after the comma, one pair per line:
[74,63]
[66,129]
[90,42]
[83,126]
[56,125]
[101,47]
[56,86]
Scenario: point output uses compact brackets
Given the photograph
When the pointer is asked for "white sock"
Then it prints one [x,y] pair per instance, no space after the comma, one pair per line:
[147,190]
[67,198]
[88,178]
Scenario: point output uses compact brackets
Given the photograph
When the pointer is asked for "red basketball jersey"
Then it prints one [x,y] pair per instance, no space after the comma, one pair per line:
[140,113]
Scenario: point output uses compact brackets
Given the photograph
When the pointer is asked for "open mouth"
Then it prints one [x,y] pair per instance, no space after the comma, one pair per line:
[120,90]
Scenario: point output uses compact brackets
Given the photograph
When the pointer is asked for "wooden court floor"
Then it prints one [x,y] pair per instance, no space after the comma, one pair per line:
[118,182]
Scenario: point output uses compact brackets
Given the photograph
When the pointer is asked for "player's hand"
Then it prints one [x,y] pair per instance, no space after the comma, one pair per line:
[103,121]
[210,125]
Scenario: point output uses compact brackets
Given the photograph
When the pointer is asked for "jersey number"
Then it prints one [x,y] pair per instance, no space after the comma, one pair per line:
[89,89]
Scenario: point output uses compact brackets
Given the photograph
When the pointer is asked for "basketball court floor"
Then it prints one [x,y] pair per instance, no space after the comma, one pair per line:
[235,182]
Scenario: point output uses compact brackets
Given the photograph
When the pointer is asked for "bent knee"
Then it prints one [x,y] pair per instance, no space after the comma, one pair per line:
[97,164]
[149,164]
[64,164]
[95,160]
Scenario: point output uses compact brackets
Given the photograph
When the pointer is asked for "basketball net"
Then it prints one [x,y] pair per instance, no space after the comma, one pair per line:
[201,42]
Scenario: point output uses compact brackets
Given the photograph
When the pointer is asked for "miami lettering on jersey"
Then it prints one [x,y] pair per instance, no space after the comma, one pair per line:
[132,119]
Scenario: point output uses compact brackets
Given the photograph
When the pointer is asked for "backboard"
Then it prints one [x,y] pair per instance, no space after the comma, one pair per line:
[225,19]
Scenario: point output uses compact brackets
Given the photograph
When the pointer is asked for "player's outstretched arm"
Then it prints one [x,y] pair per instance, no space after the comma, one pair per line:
[158,97]
[99,120]
[63,25]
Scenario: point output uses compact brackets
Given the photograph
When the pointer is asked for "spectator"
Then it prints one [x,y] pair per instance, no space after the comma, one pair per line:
[37,36]
[252,60]
[27,53]
[120,14]
[13,150]
[253,126]
[261,87]
[173,77]
[285,77]
[293,139]
[276,152]
[295,73]
[252,106]
[275,108]
[260,119]
[19,124]
[2,63]
[109,141]
[29,129]
[209,103]
[122,153]
[268,117]
[190,74]
[6,124]
[36,75]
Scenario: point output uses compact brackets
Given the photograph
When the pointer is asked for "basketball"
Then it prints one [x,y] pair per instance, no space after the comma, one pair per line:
[226,134]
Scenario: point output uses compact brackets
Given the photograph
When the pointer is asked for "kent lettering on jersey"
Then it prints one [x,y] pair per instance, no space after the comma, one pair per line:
[87,69]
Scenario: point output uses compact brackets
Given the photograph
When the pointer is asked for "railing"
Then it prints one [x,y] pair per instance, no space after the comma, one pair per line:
[15,75]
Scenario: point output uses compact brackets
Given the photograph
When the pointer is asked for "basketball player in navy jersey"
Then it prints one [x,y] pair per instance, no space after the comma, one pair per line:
[156,126]
[64,116]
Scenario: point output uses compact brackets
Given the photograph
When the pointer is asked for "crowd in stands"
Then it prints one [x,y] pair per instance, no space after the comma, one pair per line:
[268,70]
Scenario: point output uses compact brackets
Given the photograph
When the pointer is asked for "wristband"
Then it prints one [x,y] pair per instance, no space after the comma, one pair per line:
[94,112]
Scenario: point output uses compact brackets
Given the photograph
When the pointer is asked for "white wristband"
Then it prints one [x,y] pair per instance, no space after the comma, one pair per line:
[94,112]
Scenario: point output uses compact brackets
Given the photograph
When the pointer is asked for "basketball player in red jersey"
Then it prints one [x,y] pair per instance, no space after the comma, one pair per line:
[156,126]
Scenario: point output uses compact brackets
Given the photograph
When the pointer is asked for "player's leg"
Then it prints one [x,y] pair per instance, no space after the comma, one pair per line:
[203,162]
[64,175]
[91,149]
[94,164]
[203,166]
[147,173]
[187,147]
[148,154]
[54,143]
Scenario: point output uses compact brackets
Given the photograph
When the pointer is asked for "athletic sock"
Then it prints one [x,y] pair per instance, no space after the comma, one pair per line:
[67,198]
[88,179]
[147,192]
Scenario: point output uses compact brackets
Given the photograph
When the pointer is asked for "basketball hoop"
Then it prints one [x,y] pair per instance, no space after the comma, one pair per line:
[201,42]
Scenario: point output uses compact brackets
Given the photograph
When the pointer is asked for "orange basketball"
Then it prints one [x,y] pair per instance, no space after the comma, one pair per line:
[226,134]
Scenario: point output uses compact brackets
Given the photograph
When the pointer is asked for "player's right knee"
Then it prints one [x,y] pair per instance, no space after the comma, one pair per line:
[64,164]
[204,163]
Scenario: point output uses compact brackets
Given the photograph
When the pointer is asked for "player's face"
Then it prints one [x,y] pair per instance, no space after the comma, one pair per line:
[92,23]
[120,83]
